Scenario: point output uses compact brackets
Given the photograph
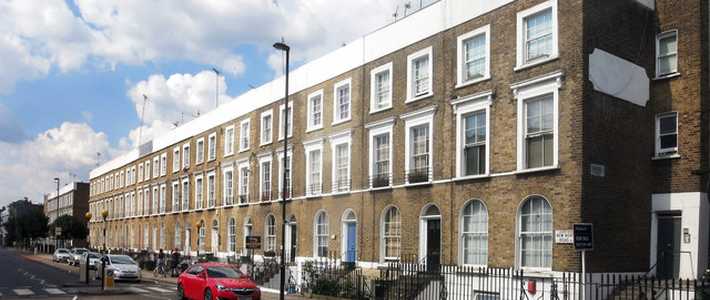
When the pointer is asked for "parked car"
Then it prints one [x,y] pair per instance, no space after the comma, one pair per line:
[123,267]
[76,255]
[61,255]
[216,281]
[94,259]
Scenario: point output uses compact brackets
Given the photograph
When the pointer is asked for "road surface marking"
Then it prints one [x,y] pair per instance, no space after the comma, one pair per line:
[54,291]
[23,292]
[157,289]
[137,290]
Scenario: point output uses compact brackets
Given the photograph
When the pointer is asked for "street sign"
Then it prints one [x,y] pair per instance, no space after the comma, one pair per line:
[57,231]
[253,242]
[583,237]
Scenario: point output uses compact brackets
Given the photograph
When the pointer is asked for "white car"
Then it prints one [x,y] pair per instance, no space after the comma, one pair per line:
[61,254]
[123,267]
[94,259]
[76,255]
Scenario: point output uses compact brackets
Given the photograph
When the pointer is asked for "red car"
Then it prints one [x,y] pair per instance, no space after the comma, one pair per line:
[216,281]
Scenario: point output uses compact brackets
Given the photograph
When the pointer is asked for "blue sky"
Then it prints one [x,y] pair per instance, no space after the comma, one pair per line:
[74,71]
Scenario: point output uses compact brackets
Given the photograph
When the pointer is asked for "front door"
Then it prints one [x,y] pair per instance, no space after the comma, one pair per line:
[187,242]
[433,244]
[351,244]
[215,241]
[291,238]
[668,247]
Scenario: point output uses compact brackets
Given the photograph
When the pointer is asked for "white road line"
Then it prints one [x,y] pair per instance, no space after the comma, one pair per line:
[23,292]
[157,289]
[137,290]
[54,291]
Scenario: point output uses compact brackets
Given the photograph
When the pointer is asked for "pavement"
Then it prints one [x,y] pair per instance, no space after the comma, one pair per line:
[24,275]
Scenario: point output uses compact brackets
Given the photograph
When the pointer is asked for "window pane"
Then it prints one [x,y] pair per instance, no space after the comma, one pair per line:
[538,35]
[474,57]
[536,233]
[668,45]
[420,69]
[667,124]
[382,91]
[669,141]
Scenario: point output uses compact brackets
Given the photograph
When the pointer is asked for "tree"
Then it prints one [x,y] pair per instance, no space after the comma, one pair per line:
[26,221]
[71,228]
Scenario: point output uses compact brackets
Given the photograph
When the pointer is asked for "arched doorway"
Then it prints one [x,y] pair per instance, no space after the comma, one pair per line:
[291,239]
[215,237]
[430,236]
[349,240]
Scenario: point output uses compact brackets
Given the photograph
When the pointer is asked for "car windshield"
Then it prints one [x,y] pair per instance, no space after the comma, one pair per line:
[121,260]
[224,272]
[79,251]
[62,251]
[93,255]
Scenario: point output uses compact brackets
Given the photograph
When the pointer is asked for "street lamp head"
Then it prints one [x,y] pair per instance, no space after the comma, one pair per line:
[104,214]
[88,216]
[56,179]
[282,46]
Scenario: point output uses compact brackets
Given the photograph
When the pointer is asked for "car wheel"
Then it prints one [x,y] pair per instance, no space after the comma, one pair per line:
[180,293]
[208,294]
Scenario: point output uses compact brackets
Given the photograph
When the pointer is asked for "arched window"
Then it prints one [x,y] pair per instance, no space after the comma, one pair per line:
[201,236]
[247,232]
[321,236]
[232,233]
[392,233]
[535,233]
[270,233]
[474,233]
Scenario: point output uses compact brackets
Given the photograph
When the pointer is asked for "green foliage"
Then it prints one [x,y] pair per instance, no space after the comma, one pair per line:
[26,221]
[71,228]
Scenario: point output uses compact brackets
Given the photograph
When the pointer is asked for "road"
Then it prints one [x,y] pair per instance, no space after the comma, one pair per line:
[22,278]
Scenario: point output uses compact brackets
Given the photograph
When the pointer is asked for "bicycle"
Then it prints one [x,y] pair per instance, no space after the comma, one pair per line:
[160,270]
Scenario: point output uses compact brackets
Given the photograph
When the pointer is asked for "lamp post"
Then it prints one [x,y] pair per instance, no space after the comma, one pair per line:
[87,217]
[281,46]
[104,215]
[56,199]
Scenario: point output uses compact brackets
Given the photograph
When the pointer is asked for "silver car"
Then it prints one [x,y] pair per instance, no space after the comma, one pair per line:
[61,254]
[94,259]
[76,255]
[123,267]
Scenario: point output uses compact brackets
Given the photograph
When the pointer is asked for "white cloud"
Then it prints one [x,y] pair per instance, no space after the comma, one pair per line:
[27,168]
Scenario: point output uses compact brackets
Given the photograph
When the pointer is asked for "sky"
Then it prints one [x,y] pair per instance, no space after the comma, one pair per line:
[73,72]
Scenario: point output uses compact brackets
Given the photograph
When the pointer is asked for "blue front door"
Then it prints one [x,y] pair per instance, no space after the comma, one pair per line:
[351,249]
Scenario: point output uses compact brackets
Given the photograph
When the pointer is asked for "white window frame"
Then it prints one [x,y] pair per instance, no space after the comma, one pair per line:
[186,155]
[415,119]
[199,187]
[518,236]
[521,63]
[241,166]
[200,155]
[140,174]
[665,152]
[280,157]
[225,186]
[659,37]
[264,159]
[309,115]
[462,253]
[163,202]
[411,97]
[244,124]
[460,56]
[465,106]
[383,244]
[281,120]
[336,105]
[316,236]
[376,129]
[335,141]
[265,139]
[229,140]
[176,159]
[270,239]
[156,166]
[163,164]
[212,150]
[185,196]
[373,82]
[311,146]
[211,190]
[176,201]
[232,235]
[548,84]
[148,170]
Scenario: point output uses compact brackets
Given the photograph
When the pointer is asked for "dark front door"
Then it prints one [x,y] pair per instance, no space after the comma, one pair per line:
[433,244]
[294,236]
[668,247]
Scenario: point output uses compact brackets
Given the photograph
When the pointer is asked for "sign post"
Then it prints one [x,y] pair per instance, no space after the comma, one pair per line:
[584,241]
[252,242]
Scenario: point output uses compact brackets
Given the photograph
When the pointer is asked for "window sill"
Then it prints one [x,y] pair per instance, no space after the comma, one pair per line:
[243,150]
[312,129]
[429,182]
[371,189]
[535,63]
[290,136]
[666,76]
[338,122]
[381,109]
[541,169]
[472,82]
[471,177]
[538,272]
[340,193]
[420,97]
[227,155]
[265,144]
[314,196]
[665,157]
[243,204]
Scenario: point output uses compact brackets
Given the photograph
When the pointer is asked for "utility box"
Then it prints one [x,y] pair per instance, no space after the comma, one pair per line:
[83,271]
[108,279]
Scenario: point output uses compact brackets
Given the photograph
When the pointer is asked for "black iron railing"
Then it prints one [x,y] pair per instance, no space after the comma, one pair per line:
[419,175]
[380,180]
